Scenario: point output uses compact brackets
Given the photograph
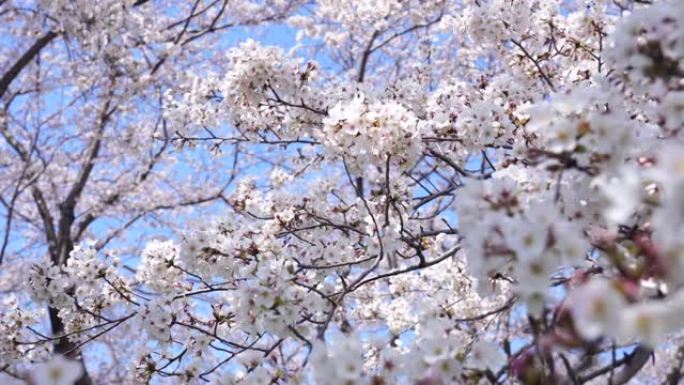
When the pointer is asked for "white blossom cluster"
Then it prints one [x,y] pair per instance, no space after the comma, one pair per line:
[371,132]
[265,92]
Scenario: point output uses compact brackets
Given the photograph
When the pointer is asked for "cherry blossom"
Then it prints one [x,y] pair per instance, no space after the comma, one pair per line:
[389,192]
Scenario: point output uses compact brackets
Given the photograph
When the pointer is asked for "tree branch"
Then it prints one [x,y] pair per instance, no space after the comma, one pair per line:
[24,60]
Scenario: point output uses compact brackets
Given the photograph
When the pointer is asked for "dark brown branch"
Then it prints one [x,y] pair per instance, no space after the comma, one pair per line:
[527,54]
[365,56]
[24,60]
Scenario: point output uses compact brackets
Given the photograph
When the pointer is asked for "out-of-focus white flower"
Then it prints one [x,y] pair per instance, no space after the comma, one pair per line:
[486,355]
[647,322]
[596,308]
[57,371]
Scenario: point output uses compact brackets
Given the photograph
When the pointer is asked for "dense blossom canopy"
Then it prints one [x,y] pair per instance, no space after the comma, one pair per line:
[418,192]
